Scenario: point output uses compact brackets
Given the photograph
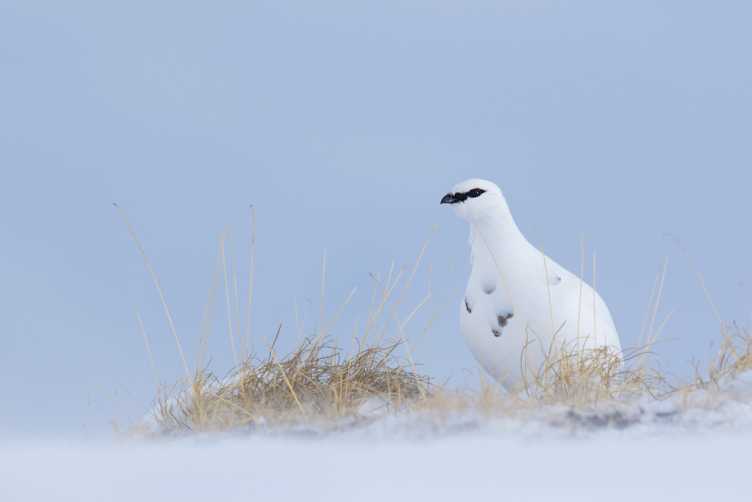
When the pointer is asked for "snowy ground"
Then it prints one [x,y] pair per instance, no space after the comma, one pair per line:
[474,465]
[673,450]
[469,468]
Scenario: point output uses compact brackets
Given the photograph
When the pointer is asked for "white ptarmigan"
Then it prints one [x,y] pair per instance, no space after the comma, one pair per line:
[519,303]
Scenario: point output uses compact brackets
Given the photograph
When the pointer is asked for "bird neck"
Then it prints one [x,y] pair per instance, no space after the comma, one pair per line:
[496,238]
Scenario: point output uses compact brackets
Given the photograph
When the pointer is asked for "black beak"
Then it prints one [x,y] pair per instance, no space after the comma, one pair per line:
[449,199]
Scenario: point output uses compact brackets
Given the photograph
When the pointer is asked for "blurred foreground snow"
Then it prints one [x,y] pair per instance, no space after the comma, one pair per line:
[613,466]
[691,448]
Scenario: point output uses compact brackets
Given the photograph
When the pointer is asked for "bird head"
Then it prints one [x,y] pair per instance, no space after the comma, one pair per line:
[473,199]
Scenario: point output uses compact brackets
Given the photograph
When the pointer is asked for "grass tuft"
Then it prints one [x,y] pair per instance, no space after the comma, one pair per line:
[734,358]
[315,384]
[584,377]
[319,384]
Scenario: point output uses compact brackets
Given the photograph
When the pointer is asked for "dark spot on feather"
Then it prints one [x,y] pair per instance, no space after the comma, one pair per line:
[504,319]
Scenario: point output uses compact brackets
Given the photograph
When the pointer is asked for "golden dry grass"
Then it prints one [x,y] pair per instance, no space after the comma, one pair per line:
[573,379]
[734,358]
[586,377]
[317,384]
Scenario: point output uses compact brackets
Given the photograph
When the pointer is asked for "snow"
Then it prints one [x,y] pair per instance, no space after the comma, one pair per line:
[476,466]
[680,449]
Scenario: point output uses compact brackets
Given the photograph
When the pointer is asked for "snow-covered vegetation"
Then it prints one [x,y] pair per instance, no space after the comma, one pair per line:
[324,423]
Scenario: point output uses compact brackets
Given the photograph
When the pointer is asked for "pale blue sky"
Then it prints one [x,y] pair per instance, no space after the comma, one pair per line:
[345,123]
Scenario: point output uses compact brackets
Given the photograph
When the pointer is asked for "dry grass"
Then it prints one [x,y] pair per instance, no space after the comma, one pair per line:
[734,358]
[317,383]
[581,377]
[578,380]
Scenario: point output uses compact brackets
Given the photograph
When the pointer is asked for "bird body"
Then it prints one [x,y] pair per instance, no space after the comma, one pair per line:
[519,305]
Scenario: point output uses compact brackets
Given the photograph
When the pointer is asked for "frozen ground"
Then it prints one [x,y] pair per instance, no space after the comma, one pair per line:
[672,450]
[613,466]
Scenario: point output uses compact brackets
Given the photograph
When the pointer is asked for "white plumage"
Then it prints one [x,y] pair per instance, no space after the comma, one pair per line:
[516,297]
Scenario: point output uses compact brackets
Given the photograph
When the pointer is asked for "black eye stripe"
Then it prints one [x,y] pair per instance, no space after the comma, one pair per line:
[454,198]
